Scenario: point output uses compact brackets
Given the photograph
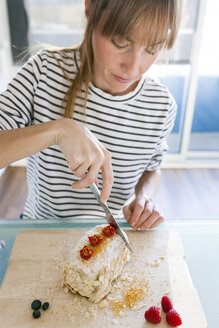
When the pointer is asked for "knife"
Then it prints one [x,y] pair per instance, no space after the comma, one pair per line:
[109,217]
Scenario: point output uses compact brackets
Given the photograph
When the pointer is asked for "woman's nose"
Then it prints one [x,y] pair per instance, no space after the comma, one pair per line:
[131,64]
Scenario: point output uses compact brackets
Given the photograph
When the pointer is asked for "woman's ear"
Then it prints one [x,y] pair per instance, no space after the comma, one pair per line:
[87,8]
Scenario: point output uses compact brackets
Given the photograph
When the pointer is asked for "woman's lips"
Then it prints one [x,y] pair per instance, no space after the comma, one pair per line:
[121,80]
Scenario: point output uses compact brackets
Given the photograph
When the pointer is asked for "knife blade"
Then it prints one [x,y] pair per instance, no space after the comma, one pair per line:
[109,217]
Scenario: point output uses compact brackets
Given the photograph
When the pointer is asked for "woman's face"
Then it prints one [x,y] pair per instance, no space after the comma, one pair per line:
[118,65]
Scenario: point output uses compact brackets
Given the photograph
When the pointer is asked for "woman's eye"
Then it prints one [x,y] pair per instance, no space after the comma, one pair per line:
[119,45]
[150,52]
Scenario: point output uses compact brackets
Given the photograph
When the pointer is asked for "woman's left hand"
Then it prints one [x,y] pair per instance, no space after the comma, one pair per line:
[143,213]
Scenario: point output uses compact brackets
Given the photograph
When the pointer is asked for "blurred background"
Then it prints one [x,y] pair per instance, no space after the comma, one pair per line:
[192,71]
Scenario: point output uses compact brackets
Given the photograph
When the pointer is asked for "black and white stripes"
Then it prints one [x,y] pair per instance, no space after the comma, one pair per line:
[132,127]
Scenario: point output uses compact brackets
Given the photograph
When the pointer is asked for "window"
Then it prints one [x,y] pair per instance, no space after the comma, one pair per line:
[55,22]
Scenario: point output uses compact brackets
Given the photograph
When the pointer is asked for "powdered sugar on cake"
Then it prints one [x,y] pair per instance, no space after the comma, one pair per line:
[93,277]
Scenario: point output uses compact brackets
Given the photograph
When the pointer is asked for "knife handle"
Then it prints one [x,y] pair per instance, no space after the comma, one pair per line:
[96,192]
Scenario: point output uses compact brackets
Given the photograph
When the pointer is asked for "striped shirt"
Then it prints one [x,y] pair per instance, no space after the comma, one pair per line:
[133,127]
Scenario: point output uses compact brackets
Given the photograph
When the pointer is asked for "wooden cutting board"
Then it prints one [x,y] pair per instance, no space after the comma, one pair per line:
[35,272]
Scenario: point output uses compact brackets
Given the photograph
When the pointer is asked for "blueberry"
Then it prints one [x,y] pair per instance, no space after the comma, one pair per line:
[36,314]
[45,306]
[36,305]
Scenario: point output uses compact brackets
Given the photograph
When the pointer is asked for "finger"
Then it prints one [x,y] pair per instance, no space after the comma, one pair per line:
[73,165]
[137,211]
[148,210]
[81,170]
[96,182]
[127,212]
[152,219]
[159,221]
[107,175]
[136,214]
[88,179]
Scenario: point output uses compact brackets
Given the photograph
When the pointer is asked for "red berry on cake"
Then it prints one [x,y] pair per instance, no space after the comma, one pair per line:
[86,252]
[108,231]
[95,240]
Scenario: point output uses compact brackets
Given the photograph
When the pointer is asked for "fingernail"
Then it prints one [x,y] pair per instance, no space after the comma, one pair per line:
[128,218]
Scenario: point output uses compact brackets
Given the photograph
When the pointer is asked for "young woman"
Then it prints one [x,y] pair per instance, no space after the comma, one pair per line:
[90,113]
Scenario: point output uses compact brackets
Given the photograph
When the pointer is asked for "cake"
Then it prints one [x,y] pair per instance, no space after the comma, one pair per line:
[97,260]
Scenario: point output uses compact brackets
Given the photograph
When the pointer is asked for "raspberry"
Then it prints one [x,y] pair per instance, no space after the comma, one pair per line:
[86,252]
[153,314]
[95,240]
[166,304]
[173,318]
[108,231]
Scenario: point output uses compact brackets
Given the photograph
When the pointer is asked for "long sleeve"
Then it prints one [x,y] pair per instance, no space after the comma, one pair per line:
[16,102]
[162,147]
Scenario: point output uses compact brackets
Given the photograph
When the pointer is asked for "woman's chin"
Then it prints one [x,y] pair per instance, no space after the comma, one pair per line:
[116,88]
[124,89]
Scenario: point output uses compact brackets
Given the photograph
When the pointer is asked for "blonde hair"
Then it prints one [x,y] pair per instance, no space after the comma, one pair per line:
[155,22]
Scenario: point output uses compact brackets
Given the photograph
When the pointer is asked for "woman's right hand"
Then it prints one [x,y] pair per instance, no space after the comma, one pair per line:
[85,155]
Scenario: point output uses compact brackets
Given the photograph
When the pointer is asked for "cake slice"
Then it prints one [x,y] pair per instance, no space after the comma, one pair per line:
[95,262]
